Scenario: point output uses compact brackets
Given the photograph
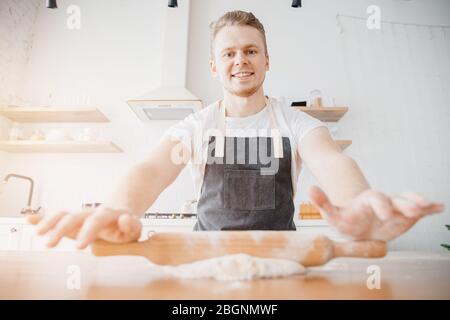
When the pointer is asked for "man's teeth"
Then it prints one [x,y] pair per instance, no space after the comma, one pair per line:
[242,74]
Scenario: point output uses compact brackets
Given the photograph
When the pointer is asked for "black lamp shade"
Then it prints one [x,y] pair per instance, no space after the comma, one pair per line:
[296,3]
[51,4]
[173,3]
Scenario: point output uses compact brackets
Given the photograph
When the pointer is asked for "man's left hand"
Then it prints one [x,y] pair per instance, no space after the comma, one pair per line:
[373,215]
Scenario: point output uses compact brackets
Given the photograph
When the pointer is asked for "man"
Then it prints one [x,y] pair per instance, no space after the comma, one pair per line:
[238,189]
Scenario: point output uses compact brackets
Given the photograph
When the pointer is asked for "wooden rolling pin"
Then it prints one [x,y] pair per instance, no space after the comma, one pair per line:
[173,248]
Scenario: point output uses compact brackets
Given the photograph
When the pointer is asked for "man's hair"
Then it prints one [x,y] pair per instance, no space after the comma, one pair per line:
[236,18]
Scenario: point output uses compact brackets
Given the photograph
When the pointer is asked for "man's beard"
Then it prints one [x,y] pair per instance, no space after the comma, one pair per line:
[247,92]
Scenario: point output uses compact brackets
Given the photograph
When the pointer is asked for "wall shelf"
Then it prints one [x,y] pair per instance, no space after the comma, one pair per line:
[30,146]
[327,114]
[343,143]
[53,114]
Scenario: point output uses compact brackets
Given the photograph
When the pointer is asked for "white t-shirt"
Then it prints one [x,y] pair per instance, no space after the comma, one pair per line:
[194,132]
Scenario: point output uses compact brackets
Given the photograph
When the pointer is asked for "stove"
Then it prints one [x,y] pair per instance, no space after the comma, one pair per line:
[169,215]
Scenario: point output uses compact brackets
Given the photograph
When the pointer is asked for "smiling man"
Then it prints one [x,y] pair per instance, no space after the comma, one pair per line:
[246,151]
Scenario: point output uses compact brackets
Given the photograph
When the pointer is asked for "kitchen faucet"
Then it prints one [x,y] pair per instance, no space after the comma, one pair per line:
[27,209]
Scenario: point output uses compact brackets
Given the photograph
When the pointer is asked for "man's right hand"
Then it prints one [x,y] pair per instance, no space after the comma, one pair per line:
[113,225]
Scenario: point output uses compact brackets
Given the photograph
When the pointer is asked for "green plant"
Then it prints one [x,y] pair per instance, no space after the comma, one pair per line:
[446,246]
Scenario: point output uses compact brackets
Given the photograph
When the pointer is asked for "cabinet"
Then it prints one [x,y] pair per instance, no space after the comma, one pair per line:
[31,241]
[150,226]
[17,234]
[158,225]
[10,236]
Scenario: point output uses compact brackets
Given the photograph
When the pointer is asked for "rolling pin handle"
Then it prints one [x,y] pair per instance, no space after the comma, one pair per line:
[104,248]
[368,249]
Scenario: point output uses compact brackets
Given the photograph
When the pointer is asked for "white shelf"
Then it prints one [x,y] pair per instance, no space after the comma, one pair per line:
[327,114]
[29,146]
[52,114]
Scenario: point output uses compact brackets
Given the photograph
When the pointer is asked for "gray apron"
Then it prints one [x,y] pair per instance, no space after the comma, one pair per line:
[244,191]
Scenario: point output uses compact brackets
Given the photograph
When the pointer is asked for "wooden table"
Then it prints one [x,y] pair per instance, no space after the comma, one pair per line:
[50,275]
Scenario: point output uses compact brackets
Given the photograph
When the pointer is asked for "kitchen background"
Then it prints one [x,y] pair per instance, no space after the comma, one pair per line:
[395,81]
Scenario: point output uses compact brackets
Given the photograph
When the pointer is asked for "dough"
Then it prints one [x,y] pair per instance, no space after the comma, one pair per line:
[237,267]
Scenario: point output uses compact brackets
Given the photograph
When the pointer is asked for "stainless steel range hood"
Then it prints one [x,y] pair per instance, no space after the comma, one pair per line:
[165,103]
[172,100]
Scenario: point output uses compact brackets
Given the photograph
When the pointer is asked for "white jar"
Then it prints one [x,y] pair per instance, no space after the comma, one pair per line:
[16,132]
[88,134]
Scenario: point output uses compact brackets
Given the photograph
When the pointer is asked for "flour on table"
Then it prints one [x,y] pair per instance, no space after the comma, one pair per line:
[236,267]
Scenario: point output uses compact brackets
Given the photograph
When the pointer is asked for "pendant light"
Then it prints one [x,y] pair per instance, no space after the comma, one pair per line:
[296,3]
[51,4]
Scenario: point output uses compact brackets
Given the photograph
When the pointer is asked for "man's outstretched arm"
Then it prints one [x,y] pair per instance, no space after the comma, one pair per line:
[338,173]
[352,207]
[117,220]
[144,182]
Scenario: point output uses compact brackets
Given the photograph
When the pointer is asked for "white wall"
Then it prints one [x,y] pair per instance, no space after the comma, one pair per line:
[113,57]
[116,56]
[17,25]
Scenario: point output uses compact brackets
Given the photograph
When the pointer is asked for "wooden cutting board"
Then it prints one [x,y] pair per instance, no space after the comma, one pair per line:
[173,248]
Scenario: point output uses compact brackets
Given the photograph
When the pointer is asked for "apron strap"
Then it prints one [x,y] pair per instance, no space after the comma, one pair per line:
[219,151]
[274,132]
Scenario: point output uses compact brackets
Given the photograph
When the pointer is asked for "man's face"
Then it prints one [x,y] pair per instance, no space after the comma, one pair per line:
[240,60]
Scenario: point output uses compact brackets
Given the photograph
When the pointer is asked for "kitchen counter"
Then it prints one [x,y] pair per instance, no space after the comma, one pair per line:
[17,234]
[55,275]
[186,222]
